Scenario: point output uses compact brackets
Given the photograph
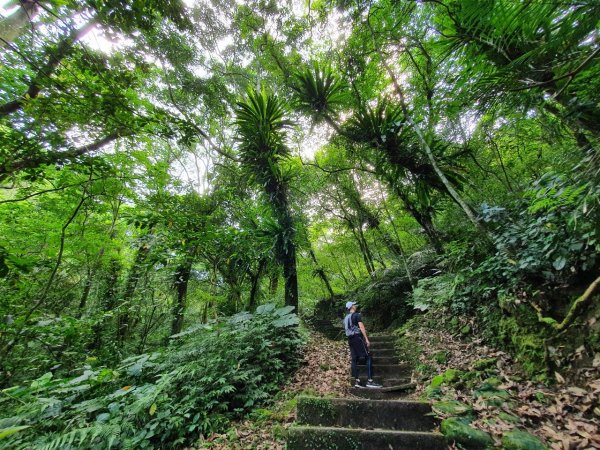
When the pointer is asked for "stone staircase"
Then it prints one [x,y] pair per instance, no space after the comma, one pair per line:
[370,419]
[333,330]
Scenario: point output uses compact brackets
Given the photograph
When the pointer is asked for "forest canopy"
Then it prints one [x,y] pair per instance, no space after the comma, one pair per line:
[172,165]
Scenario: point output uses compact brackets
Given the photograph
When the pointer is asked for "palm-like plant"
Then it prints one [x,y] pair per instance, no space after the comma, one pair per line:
[261,127]
[319,93]
[379,126]
[529,52]
[382,128]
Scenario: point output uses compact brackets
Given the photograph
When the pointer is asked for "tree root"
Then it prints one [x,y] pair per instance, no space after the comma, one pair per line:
[574,310]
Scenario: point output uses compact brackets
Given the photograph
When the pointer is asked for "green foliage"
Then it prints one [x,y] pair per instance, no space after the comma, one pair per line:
[261,126]
[547,238]
[160,400]
[433,292]
[319,92]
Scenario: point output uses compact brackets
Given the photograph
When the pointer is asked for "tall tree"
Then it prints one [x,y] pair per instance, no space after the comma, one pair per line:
[261,126]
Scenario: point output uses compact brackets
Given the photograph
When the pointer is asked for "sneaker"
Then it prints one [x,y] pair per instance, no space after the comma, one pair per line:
[357,383]
[373,385]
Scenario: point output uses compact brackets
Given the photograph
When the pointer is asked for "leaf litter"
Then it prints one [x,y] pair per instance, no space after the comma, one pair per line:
[564,415]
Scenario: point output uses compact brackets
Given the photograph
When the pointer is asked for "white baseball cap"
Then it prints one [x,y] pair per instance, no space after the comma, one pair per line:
[350,304]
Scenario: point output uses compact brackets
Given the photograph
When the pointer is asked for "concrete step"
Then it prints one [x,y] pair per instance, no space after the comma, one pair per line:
[384,360]
[364,413]
[387,369]
[321,438]
[387,381]
[385,338]
[391,391]
[383,352]
[379,347]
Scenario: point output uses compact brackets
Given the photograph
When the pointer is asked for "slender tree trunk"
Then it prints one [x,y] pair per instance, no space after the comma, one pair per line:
[274,283]
[109,302]
[255,283]
[279,197]
[424,219]
[290,276]
[87,287]
[180,282]
[132,281]
[398,243]
[368,254]
[321,273]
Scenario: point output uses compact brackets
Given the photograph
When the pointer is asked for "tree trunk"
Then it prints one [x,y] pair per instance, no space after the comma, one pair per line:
[180,283]
[364,248]
[87,287]
[321,273]
[290,276]
[278,193]
[255,283]
[274,283]
[132,280]
[398,243]
[108,303]
[423,218]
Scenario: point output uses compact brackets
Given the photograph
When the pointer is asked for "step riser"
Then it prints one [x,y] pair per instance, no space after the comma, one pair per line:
[382,339]
[383,353]
[373,394]
[388,368]
[308,438]
[404,416]
[384,360]
[380,348]
[362,373]
[385,381]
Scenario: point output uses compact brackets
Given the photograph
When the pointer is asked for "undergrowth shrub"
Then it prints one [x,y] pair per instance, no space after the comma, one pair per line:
[207,376]
[543,251]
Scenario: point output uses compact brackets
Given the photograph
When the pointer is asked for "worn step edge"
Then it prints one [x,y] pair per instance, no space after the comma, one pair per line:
[389,388]
[375,338]
[317,438]
[404,415]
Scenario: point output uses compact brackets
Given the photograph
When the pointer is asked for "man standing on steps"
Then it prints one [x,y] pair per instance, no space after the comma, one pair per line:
[359,345]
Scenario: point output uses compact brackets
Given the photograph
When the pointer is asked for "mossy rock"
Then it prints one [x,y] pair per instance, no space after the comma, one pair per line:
[448,377]
[485,364]
[452,375]
[433,392]
[460,432]
[492,397]
[492,382]
[521,440]
[452,408]
[508,417]
[488,394]
[441,357]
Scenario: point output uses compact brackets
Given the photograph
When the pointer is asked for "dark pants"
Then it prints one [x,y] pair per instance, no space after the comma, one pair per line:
[358,351]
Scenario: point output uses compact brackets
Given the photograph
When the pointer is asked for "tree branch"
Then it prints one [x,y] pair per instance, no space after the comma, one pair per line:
[38,160]
[63,49]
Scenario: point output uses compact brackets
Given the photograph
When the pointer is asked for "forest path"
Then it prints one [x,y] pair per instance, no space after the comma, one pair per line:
[368,419]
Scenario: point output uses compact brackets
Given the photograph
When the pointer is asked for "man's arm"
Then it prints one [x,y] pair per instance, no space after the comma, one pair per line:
[364,332]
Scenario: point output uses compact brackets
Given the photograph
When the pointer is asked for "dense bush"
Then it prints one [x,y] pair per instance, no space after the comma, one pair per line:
[548,239]
[542,253]
[208,375]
